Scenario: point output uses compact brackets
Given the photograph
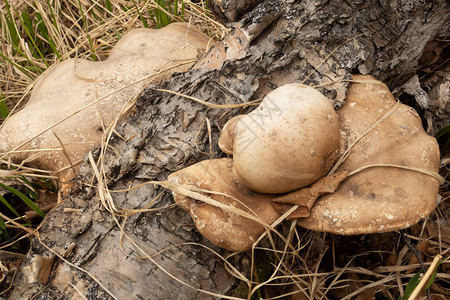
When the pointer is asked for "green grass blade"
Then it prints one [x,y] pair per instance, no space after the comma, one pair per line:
[140,15]
[156,15]
[25,199]
[52,13]
[161,18]
[430,282]
[175,8]
[412,284]
[5,235]
[108,5]
[22,69]
[442,131]
[33,41]
[32,189]
[33,66]
[9,206]
[43,30]
[91,44]
[27,21]
[433,277]
[117,33]
[3,230]
[45,184]
[4,111]
[182,11]
[165,19]
[55,24]
[94,15]
[2,224]
[12,29]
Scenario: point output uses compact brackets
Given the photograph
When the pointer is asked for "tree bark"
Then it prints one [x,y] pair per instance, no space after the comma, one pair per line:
[283,42]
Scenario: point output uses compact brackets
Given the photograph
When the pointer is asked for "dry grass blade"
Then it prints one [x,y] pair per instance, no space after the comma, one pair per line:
[79,292]
[346,153]
[423,171]
[211,105]
[425,279]
[66,154]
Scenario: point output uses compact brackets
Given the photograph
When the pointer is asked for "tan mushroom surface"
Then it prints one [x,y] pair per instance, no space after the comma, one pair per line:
[141,57]
[388,181]
[289,141]
[223,227]
[379,198]
[226,139]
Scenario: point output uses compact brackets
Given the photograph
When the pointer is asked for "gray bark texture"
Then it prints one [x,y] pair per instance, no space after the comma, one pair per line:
[287,41]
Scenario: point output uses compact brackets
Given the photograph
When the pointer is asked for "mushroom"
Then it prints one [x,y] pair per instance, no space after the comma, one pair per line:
[92,95]
[288,142]
[393,169]
[235,226]
[386,178]
[296,117]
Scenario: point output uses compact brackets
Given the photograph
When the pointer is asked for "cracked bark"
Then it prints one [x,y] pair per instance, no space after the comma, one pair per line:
[285,42]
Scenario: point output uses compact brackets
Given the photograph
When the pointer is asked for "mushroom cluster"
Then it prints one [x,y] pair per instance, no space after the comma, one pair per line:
[73,103]
[369,167]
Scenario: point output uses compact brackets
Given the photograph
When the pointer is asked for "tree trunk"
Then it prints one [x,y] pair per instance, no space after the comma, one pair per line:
[279,42]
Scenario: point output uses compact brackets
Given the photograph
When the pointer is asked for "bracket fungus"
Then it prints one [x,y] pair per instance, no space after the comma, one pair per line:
[394,162]
[231,217]
[382,167]
[74,102]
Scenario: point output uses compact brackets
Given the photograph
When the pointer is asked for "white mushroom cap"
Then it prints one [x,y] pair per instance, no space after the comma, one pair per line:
[288,142]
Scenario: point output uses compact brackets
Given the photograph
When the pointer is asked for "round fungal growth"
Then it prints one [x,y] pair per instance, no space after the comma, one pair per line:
[288,142]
